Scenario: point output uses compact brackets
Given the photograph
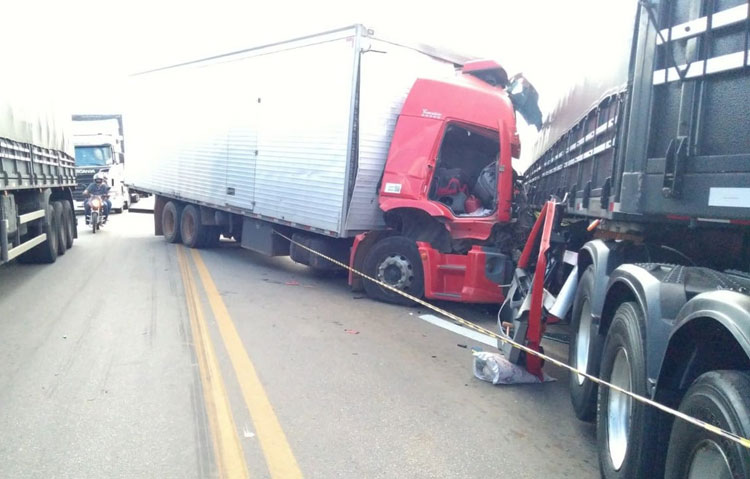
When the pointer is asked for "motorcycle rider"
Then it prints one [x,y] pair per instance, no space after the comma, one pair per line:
[98,188]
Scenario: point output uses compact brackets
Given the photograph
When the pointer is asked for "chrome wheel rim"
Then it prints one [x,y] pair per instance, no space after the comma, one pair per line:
[583,340]
[396,271]
[619,410]
[709,460]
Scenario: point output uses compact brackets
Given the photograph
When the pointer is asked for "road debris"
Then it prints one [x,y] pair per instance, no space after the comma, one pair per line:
[495,369]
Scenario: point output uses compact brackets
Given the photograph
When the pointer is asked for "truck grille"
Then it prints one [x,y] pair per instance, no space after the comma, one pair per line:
[83,180]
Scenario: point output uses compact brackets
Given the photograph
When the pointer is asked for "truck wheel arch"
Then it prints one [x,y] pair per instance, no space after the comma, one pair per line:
[418,225]
[712,332]
[431,208]
[631,282]
[599,254]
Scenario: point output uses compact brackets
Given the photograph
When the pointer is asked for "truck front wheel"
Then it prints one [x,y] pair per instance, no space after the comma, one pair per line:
[394,261]
[585,350]
[170,221]
[626,428]
[722,399]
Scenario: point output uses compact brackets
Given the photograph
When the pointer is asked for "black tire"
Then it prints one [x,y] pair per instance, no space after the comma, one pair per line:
[720,398]
[390,260]
[47,251]
[192,231]
[624,360]
[170,221]
[62,225]
[70,225]
[582,391]
[327,273]
[94,221]
[212,236]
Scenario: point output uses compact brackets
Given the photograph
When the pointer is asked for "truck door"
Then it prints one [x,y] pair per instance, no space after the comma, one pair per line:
[242,138]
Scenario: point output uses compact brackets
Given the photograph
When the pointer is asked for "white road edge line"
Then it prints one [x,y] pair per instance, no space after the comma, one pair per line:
[466,332]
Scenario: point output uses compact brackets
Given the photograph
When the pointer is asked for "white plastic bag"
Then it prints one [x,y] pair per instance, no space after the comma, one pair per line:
[494,368]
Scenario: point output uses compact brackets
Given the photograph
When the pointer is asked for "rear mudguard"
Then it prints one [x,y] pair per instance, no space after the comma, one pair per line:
[661,291]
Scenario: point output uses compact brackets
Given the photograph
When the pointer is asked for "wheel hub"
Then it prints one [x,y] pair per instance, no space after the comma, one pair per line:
[709,460]
[396,271]
[619,410]
[583,340]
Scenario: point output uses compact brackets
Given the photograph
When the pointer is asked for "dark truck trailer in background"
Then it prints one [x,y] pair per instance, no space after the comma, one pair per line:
[667,139]
[37,175]
[653,155]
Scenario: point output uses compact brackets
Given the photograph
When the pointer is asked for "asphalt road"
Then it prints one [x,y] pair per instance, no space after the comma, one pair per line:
[130,357]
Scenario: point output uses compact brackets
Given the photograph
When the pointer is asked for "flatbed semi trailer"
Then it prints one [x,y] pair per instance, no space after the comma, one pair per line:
[37,176]
[649,165]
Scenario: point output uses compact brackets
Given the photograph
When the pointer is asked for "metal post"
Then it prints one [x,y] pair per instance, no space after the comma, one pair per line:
[534,335]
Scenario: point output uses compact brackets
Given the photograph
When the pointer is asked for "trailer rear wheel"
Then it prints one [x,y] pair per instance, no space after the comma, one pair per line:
[395,261]
[62,226]
[722,399]
[47,251]
[70,224]
[626,428]
[212,236]
[585,350]
[170,221]
[193,233]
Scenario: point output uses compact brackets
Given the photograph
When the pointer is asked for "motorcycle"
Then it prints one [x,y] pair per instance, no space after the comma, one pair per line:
[97,204]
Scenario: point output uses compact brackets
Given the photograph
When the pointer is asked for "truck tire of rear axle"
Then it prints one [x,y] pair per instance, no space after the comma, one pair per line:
[722,399]
[626,429]
[70,224]
[394,260]
[62,226]
[170,221]
[193,233]
[212,236]
[585,350]
[46,252]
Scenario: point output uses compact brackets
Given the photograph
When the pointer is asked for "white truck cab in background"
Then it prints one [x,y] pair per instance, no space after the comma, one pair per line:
[99,146]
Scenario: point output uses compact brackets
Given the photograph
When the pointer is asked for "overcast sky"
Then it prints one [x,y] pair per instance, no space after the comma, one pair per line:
[89,46]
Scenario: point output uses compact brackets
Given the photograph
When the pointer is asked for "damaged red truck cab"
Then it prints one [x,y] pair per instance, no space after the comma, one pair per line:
[465,128]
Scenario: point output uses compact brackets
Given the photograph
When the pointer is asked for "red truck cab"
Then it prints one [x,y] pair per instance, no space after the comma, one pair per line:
[448,183]
[456,124]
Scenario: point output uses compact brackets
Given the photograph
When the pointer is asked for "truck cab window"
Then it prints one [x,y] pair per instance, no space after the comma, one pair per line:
[465,176]
[93,155]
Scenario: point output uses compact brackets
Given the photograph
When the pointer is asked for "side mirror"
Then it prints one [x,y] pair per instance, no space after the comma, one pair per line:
[525,100]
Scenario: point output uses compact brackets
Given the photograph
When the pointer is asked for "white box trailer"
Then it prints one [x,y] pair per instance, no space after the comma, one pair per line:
[294,133]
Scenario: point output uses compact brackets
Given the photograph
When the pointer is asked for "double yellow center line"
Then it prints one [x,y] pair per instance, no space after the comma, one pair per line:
[230,458]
